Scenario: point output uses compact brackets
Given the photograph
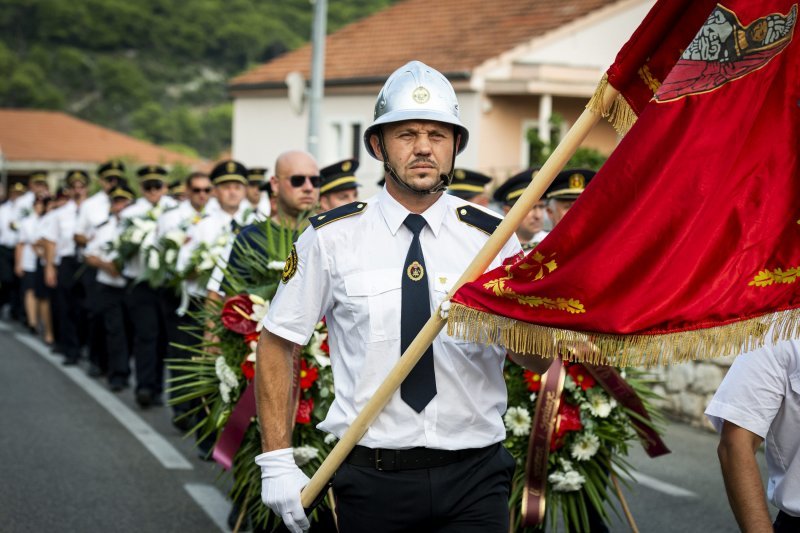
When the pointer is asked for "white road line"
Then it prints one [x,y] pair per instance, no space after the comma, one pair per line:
[662,486]
[212,502]
[161,449]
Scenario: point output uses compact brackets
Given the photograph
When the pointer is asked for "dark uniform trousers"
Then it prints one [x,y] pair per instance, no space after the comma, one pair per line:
[178,336]
[98,352]
[9,283]
[149,337]
[110,309]
[468,496]
[68,308]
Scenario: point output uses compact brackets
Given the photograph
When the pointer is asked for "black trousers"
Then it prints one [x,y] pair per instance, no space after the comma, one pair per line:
[68,310]
[785,523]
[470,496]
[110,309]
[9,284]
[149,338]
[96,334]
[179,334]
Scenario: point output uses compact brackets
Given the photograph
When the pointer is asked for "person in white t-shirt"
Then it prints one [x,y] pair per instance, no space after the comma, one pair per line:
[757,402]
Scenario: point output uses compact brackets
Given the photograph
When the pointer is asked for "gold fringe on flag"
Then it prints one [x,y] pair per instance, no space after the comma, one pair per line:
[621,350]
[619,114]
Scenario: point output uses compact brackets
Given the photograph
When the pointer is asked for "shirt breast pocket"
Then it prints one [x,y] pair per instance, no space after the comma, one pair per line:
[374,298]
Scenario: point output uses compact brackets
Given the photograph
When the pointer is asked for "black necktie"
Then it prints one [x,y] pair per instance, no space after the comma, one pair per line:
[235,227]
[419,387]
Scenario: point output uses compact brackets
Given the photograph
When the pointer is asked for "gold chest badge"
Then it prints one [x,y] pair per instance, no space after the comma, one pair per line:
[415,271]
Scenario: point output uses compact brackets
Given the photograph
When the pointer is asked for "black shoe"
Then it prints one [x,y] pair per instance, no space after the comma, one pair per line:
[94,371]
[144,397]
[117,385]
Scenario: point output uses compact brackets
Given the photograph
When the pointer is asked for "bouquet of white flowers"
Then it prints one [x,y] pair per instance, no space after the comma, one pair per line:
[161,260]
[137,233]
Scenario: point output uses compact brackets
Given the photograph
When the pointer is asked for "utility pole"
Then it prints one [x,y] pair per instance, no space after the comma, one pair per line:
[317,74]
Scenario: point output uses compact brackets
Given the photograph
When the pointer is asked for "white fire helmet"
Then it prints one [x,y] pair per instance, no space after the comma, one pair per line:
[416,91]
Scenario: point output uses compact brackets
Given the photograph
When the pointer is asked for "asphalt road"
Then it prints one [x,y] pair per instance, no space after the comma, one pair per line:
[76,457]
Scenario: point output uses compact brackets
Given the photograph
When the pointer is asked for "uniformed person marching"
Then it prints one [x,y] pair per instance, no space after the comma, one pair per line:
[565,189]
[470,185]
[141,300]
[110,289]
[531,230]
[257,197]
[433,459]
[62,271]
[339,185]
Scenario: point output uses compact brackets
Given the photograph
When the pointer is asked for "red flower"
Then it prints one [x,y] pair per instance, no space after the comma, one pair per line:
[324,345]
[533,380]
[248,369]
[308,375]
[304,408]
[250,337]
[581,377]
[568,419]
[236,314]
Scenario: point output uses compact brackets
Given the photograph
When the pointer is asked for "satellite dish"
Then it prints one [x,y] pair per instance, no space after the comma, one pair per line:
[297,91]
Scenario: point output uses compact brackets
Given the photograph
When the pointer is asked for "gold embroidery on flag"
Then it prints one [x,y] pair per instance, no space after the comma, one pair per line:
[648,78]
[765,278]
[499,288]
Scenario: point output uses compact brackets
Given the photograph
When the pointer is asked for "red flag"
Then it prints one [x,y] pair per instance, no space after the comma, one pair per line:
[687,242]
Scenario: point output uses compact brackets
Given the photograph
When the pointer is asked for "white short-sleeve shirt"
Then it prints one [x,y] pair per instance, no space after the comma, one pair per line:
[350,271]
[93,212]
[761,393]
[27,238]
[99,247]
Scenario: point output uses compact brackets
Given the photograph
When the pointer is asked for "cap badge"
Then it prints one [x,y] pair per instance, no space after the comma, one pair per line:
[415,271]
[460,174]
[151,169]
[346,166]
[230,167]
[421,95]
[577,181]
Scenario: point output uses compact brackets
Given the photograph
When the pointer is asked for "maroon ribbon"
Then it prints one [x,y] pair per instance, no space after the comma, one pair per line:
[544,423]
[232,434]
[618,388]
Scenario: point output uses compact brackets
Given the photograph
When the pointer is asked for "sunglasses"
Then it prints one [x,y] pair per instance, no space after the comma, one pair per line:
[299,180]
[198,190]
[152,186]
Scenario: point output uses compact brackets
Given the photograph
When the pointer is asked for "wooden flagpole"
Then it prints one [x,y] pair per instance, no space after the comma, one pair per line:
[554,164]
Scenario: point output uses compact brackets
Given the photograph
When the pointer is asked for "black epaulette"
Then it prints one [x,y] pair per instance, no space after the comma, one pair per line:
[337,213]
[103,223]
[478,219]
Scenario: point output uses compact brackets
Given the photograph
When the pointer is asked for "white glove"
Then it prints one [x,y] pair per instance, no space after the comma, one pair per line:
[281,483]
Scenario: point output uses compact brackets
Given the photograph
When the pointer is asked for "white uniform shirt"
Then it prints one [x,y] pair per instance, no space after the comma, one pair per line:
[182,217]
[27,238]
[208,230]
[761,393]
[62,230]
[99,247]
[93,212]
[264,209]
[350,271]
[46,226]
[8,236]
[134,267]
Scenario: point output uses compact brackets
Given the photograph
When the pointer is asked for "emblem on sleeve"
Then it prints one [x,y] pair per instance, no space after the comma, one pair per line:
[291,266]
[415,271]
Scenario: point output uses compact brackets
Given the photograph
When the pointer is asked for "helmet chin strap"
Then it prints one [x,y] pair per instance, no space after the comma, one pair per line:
[441,185]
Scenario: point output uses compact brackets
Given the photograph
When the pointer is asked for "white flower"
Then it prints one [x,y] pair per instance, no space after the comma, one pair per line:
[566,481]
[569,385]
[227,378]
[566,464]
[252,355]
[276,265]
[153,260]
[304,454]
[600,405]
[585,447]
[170,256]
[137,235]
[315,349]
[260,308]
[177,236]
[330,438]
[533,397]
[518,421]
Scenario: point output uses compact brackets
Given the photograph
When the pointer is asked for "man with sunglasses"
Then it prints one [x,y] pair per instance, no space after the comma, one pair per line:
[182,218]
[432,460]
[141,300]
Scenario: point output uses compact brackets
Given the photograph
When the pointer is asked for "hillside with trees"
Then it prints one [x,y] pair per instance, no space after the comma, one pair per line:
[156,69]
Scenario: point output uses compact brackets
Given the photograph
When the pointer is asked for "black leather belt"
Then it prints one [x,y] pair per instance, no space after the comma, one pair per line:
[410,459]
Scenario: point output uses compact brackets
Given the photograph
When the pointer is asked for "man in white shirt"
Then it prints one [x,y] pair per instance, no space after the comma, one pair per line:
[110,293]
[62,272]
[470,185]
[256,197]
[757,402]
[9,285]
[531,230]
[339,185]
[376,270]
[142,301]
[565,189]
